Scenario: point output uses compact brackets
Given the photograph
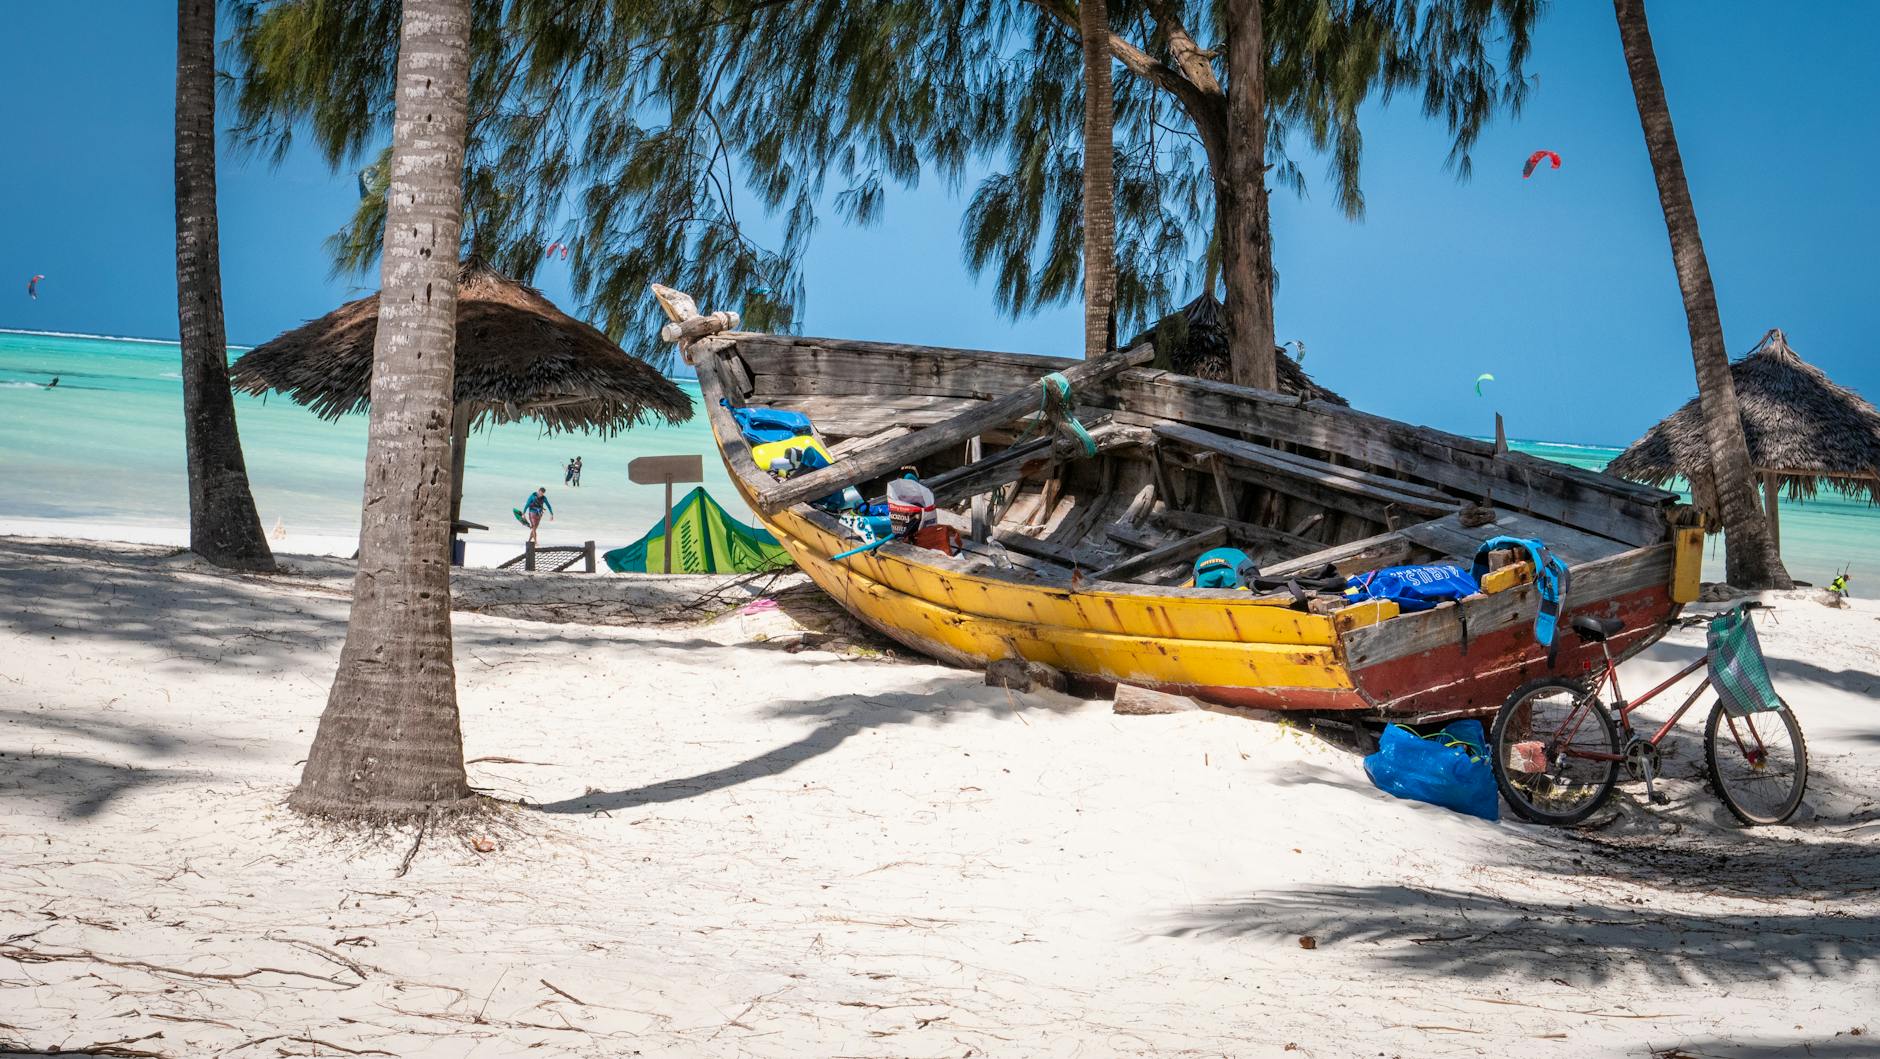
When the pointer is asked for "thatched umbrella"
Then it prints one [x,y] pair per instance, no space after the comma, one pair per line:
[518,357]
[1193,341]
[1804,433]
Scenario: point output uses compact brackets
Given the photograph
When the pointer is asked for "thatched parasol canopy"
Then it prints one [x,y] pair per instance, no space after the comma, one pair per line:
[1804,433]
[1192,341]
[1802,429]
[518,357]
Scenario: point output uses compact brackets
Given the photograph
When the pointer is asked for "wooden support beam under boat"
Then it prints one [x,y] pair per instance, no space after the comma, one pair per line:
[905,450]
[1172,552]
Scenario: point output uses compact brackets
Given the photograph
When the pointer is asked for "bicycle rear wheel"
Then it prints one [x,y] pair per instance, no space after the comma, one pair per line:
[1758,763]
[1539,743]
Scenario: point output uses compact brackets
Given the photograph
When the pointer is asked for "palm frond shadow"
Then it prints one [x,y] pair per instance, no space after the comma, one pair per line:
[1457,934]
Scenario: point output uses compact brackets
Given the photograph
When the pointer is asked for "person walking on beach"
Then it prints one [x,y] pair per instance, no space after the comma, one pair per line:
[534,508]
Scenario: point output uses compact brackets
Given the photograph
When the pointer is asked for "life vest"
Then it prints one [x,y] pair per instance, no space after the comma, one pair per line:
[1551,578]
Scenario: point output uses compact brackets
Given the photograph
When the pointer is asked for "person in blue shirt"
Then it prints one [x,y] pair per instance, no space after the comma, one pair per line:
[534,508]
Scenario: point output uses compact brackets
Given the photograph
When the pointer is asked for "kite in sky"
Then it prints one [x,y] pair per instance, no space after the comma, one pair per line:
[1535,159]
[32,287]
[1479,380]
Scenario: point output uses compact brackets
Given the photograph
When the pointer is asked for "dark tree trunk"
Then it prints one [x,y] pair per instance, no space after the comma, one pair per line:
[1099,178]
[1750,557]
[1246,257]
[389,743]
[223,525]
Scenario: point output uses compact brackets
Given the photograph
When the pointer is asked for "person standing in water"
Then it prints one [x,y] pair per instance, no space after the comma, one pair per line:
[534,508]
[577,472]
[567,473]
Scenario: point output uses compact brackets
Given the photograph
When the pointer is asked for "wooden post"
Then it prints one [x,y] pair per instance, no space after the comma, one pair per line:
[1770,493]
[587,555]
[981,502]
[669,523]
[459,447]
[1501,437]
[528,556]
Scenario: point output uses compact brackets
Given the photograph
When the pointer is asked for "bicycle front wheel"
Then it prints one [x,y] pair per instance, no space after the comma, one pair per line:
[1543,746]
[1758,763]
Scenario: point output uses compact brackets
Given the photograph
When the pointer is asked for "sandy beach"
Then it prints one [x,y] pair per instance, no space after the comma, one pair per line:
[719,838]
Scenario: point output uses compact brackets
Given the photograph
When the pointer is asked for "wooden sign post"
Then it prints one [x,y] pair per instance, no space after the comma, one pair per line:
[665,470]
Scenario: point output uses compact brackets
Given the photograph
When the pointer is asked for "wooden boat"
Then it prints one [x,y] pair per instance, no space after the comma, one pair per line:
[1077,559]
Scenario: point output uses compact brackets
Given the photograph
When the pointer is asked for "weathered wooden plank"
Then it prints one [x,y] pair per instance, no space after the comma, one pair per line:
[1009,465]
[977,420]
[851,445]
[1063,555]
[1612,507]
[1301,469]
[848,417]
[838,366]
[1172,552]
[1239,532]
[1352,557]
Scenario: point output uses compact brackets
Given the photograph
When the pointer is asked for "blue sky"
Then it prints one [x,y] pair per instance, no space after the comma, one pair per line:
[1561,286]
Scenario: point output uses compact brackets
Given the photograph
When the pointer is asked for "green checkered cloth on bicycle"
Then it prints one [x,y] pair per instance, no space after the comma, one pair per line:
[1737,668]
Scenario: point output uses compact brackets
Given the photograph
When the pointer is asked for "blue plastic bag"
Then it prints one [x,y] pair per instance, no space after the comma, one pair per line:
[1412,588]
[1447,768]
[759,424]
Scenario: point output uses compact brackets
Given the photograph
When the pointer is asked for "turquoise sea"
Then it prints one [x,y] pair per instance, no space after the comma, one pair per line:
[105,448]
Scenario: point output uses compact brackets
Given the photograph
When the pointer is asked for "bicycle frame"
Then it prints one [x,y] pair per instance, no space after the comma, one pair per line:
[1625,709]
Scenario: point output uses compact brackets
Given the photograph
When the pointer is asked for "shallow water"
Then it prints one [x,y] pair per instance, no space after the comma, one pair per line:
[106,446]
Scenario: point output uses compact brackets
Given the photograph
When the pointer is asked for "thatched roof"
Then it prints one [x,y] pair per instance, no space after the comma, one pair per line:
[518,357]
[1800,426]
[1192,341]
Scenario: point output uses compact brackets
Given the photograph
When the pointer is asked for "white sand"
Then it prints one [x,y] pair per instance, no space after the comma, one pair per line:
[736,850]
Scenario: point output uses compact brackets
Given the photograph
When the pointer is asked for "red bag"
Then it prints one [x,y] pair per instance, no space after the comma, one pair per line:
[938,538]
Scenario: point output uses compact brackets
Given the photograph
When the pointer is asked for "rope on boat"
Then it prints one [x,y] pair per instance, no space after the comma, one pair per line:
[1054,403]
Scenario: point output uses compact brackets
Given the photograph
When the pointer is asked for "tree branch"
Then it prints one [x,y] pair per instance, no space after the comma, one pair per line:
[1196,63]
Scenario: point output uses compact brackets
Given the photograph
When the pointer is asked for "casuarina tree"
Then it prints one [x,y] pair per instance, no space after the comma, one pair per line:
[1093,24]
[223,525]
[649,136]
[389,744]
[1750,556]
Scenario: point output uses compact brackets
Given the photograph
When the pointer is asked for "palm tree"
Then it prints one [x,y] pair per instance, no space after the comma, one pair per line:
[1750,556]
[389,743]
[223,526]
[1246,233]
[1093,18]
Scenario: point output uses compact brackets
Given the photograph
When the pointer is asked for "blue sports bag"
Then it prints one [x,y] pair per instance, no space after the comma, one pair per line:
[1412,588]
[1447,768]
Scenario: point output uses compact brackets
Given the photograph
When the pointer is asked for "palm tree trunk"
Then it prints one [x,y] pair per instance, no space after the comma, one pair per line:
[223,525]
[389,744]
[1240,195]
[1750,557]
[1099,178]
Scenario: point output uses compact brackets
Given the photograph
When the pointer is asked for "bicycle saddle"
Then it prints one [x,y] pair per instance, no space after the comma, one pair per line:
[1593,630]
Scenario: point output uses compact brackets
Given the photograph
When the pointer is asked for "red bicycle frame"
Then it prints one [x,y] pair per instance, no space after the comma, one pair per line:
[1611,676]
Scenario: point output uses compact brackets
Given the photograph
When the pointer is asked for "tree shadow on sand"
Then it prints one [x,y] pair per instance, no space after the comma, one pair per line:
[1457,934]
[837,718]
[80,785]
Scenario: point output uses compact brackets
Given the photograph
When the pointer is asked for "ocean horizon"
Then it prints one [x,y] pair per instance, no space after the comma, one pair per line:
[104,449]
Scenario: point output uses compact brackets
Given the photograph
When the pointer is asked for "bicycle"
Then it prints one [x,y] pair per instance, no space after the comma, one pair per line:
[1557,748]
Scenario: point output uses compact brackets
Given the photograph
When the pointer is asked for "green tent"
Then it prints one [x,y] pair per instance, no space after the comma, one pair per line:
[706,540]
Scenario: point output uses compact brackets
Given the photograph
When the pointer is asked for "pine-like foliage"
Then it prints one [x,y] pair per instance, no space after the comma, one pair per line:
[698,144]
